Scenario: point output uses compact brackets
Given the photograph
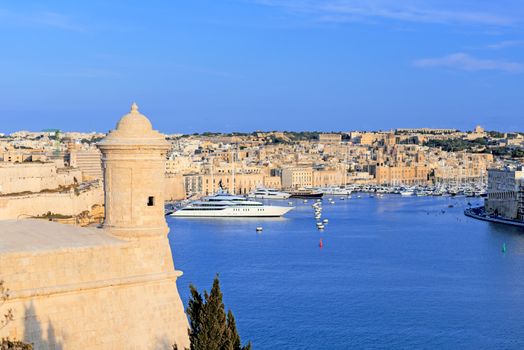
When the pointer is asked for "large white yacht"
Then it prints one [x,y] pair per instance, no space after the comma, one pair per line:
[227,205]
[268,193]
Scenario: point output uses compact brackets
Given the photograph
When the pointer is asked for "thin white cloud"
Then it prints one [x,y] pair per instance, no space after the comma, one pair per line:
[506,44]
[407,11]
[462,61]
[47,18]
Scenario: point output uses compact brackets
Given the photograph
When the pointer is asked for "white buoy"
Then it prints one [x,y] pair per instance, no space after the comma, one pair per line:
[320,227]
[305,200]
[319,223]
[259,229]
[290,203]
[319,200]
[325,221]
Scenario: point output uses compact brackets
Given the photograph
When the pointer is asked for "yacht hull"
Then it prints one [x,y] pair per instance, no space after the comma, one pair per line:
[306,195]
[263,196]
[230,212]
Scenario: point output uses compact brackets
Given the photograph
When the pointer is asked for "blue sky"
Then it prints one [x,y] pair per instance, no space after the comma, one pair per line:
[244,65]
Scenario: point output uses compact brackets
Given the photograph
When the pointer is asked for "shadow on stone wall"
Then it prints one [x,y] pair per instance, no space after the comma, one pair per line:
[33,332]
[163,344]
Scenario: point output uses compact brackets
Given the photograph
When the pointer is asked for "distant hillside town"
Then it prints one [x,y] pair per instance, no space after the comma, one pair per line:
[59,174]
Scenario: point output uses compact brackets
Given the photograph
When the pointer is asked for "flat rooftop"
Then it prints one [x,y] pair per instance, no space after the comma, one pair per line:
[34,236]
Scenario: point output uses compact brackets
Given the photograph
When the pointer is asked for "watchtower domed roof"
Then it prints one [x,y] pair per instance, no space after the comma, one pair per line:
[134,123]
[134,129]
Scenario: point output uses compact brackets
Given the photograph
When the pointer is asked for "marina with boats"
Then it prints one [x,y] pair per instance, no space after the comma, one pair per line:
[224,204]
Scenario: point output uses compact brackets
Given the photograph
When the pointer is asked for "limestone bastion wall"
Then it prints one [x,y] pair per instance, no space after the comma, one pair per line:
[35,177]
[64,203]
[68,298]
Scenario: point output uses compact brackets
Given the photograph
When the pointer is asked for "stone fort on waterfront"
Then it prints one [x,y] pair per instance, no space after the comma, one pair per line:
[108,287]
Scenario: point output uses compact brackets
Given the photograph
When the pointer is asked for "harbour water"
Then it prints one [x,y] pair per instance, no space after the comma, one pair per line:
[393,273]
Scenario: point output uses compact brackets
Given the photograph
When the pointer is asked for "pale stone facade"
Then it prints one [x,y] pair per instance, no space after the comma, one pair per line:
[88,161]
[505,193]
[207,184]
[400,175]
[329,138]
[297,177]
[300,177]
[92,288]
[328,177]
[273,182]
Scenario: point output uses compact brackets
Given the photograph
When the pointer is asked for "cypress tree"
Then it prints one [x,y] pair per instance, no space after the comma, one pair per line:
[214,328]
[232,331]
[210,328]
[195,310]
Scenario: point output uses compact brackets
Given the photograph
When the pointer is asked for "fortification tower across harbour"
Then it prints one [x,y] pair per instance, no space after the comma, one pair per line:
[100,288]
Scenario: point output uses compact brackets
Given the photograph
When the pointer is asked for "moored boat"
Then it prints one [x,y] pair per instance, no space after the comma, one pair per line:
[268,193]
[226,205]
[306,194]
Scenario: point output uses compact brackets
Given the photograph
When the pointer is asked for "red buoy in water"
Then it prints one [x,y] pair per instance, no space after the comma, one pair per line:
[320,244]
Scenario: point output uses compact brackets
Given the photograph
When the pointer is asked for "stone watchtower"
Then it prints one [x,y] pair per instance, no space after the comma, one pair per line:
[134,165]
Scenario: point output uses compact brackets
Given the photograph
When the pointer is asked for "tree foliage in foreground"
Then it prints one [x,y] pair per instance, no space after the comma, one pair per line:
[6,344]
[210,328]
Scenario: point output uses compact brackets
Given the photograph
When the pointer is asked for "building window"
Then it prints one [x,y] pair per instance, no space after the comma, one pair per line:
[150,201]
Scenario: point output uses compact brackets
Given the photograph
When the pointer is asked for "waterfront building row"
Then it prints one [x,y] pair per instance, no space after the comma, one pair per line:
[506,193]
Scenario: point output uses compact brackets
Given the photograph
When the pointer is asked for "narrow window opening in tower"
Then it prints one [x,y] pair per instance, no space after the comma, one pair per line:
[150,201]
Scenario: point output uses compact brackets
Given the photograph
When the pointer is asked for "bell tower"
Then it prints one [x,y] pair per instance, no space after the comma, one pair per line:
[133,159]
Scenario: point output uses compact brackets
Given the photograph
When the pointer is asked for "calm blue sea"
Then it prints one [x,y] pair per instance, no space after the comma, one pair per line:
[393,273]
